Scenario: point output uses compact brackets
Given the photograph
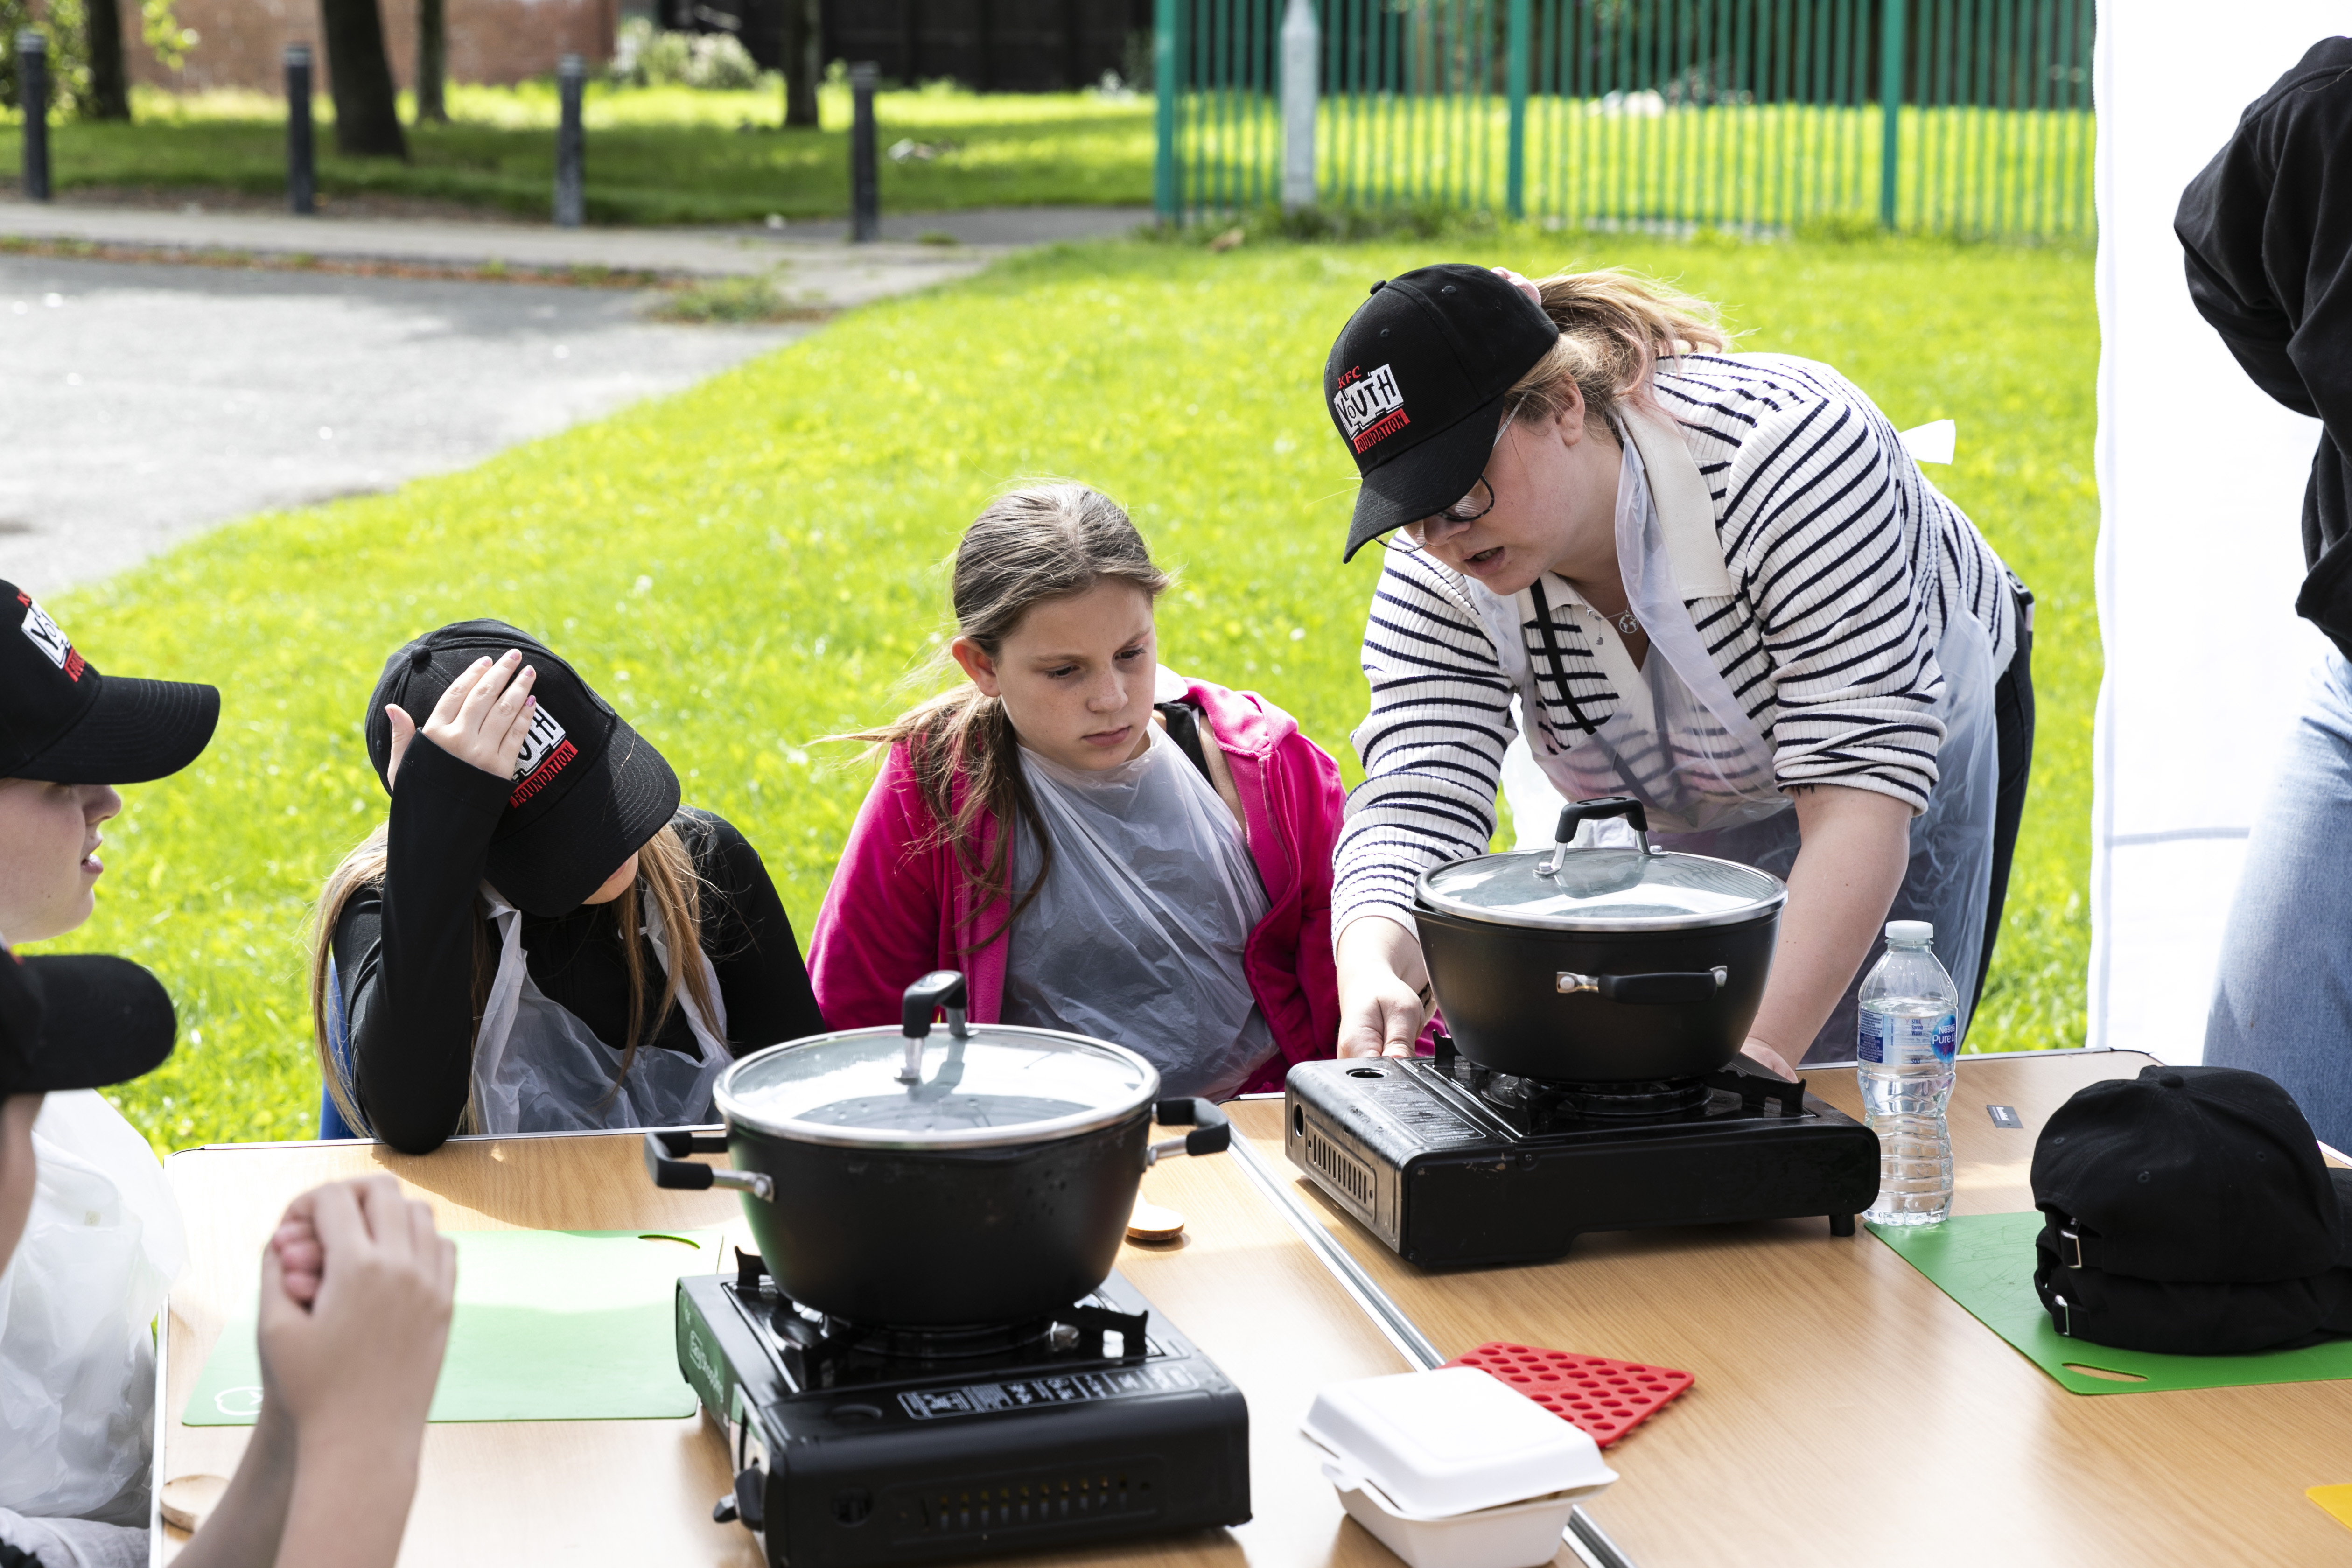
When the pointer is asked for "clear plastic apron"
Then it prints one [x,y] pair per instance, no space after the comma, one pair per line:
[1703,769]
[101,1246]
[1139,933]
[537,1068]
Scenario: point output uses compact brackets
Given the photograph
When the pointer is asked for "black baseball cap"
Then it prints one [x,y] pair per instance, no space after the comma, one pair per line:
[2178,1318]
[2191,1174]
[588,792]
[79,1021]
[1415,385]
[63,722]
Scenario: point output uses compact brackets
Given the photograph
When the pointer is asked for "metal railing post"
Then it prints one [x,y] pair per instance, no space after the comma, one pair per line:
[1890,100]
[33,98]
[1515,74]
[864,193]
[302,157]
[1302,40]
[571,145]
[1164,196]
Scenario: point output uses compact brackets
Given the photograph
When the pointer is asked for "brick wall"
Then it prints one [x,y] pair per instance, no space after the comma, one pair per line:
[241,41]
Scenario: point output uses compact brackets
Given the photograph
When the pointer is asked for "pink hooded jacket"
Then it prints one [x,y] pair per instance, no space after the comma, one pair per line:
[899,907]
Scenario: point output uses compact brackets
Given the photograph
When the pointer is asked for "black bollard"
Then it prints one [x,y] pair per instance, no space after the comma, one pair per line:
[571,196]
[33,98]
[865,196]
[301,161]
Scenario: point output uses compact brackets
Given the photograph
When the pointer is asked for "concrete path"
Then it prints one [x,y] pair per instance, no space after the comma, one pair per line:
[818,264]
[144,402]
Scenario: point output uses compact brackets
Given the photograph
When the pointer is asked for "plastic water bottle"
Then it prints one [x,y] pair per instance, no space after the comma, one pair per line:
[1910,1031]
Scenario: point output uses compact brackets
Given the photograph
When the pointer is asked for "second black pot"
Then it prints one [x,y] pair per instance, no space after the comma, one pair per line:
[1671,1005]
[1602,965]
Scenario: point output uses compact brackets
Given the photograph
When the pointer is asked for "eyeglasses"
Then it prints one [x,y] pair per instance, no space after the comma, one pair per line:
[1469,508]
[1481,499]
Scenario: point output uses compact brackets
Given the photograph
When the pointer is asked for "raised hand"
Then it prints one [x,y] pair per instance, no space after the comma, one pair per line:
[482,719]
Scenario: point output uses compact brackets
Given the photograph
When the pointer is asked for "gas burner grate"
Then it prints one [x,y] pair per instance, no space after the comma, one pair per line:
[823,1351]
[917,1343]
[1650,1100]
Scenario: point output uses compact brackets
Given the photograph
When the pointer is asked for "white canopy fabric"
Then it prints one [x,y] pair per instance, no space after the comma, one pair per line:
[2200,485]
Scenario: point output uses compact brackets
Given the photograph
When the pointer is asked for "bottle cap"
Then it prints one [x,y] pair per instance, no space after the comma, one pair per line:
[1909,933]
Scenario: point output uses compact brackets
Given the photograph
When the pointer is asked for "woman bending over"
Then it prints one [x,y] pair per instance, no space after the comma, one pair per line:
[1102,846]
[498,956]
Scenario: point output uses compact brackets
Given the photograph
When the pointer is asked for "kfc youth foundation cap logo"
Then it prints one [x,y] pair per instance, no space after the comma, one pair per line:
[1369,406]
[1417,380]
[545,751]
[43,633]
[62,721]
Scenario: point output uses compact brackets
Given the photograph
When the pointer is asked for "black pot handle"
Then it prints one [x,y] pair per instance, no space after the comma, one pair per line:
[1578,813]
[665,1163]
[1669,990]
[1210,1134]
[939,988]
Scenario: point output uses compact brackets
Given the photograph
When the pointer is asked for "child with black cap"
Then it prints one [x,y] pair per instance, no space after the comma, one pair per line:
[355,1292]
[540,938]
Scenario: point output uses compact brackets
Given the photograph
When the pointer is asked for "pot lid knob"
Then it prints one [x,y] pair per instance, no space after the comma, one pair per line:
[942,988]
[1576,815]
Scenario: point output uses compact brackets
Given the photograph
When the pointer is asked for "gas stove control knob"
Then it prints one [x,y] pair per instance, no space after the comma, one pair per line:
[745,1504]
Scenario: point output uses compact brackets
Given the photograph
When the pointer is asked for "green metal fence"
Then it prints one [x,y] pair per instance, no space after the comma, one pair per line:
[1969,117]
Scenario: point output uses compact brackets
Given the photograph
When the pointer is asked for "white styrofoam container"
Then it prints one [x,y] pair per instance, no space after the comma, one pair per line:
[1516,1535]
[1435,1445]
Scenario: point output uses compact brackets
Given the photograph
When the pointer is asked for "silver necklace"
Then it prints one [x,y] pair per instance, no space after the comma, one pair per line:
[1627,622]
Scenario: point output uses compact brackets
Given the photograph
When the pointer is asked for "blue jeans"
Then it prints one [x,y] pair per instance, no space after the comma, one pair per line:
[2282,996]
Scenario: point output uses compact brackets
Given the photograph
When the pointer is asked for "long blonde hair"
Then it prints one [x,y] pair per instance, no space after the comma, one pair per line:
[1026,547]
[1614,328]
[666,874]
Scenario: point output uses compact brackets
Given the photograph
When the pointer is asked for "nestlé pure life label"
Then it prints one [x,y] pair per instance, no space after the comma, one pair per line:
[1894,1039]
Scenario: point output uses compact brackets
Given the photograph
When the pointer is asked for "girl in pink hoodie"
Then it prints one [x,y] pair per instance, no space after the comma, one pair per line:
[1166,879]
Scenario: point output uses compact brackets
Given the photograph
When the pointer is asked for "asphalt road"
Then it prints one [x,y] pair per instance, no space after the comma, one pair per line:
[141,404]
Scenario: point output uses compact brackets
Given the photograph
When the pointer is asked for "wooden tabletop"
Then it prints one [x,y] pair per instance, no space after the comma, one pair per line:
[1240,1283]
[1846,1411]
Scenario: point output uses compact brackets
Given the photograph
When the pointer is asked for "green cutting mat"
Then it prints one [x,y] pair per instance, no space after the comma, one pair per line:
[1985,1262]
[551,1325]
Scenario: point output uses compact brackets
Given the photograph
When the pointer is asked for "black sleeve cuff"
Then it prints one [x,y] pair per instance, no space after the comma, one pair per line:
[429,768]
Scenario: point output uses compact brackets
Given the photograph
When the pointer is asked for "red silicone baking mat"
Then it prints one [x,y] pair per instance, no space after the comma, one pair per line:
[1606,1398]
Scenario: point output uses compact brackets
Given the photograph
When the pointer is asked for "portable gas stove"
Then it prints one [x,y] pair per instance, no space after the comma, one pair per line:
[1450,1163]
[857,1445]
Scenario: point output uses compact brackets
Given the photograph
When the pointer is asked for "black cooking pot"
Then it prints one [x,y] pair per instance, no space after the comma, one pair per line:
[993,1190]
[1599,965]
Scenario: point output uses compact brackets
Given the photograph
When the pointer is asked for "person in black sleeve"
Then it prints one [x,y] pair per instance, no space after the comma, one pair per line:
[498,956]
[2267,231]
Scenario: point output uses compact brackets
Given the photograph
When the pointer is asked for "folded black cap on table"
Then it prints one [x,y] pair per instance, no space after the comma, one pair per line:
[2189,1211]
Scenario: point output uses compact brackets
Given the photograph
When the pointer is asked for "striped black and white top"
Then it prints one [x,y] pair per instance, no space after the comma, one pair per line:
[1846,563]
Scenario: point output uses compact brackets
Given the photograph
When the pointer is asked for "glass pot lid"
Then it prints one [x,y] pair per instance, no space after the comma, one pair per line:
[1601,890]
[993,1086]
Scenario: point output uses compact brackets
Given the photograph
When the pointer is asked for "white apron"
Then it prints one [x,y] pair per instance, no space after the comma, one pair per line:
[537,1068]
[1696,761]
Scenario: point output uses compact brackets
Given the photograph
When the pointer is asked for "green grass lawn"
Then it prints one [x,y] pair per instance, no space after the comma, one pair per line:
[654,154]
[757,561]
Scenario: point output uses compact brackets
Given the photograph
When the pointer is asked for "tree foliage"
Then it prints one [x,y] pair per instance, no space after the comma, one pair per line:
[61,23]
